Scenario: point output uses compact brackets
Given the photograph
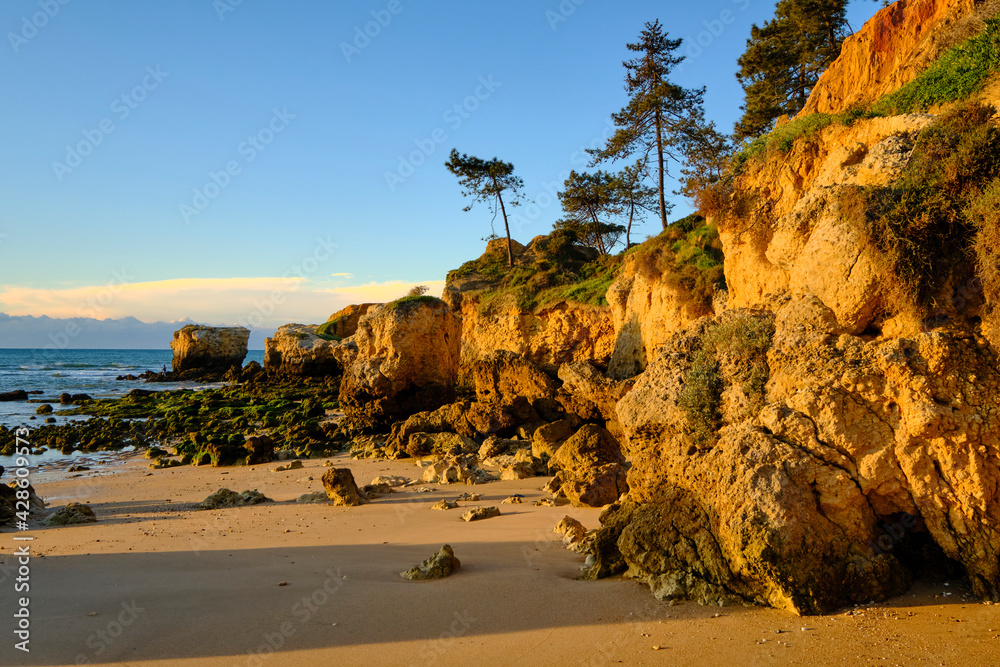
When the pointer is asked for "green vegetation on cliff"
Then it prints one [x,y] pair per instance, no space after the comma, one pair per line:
[927,224]
[553,269]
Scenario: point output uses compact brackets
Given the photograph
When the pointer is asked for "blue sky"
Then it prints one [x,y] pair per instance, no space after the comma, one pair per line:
[227,161]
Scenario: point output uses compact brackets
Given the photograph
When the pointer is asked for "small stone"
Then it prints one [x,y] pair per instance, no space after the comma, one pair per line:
[469,497]
[513,500]
[444,505]
[481,513]
[438,566]
[291,465]
[283,583]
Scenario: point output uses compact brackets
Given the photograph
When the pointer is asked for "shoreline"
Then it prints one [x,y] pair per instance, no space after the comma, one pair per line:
[204,586]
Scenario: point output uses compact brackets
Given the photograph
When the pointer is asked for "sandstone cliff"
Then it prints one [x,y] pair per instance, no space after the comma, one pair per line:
[892,49]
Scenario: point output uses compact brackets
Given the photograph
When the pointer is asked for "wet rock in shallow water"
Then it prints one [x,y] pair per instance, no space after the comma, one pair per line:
[444,505]
[19,395]
[438,566]
[341,487]
[226,498]
[78,469]
[71,514]
[291,465]
[318,497]
[481,513]
[44,409]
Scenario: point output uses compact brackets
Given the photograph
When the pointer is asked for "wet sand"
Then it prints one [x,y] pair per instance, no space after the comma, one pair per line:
[157,582]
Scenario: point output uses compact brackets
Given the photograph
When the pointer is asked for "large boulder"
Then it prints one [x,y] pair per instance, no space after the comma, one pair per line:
[503,376]
[341,487]
[209,349]
[407,362]
[858,465]
[584,381]
[590,447]
[298,349]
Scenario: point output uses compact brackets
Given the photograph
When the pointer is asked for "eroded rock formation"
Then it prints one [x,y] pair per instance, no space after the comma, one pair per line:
[209,349]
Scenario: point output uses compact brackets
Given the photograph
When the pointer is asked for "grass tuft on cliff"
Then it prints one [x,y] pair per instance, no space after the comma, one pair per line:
[554,269]
[409,302]
[733,352]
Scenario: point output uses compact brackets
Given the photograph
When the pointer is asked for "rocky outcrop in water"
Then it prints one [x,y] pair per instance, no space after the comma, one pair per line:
[200,349]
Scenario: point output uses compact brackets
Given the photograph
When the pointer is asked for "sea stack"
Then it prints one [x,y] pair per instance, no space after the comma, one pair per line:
[209,349]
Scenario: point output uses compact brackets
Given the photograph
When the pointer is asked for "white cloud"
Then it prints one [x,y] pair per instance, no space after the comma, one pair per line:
[255,302]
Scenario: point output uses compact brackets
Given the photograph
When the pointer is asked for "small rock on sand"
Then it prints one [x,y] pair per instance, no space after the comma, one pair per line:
[70,514]
[318,497]
[513,500]
[444,505]
[227,498]
[291,465]
[438,566]
[481,513]
[469,497]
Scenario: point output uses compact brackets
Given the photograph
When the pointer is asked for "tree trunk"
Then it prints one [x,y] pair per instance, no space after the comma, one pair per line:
[659,158]
[598,237]
[628,229]
[506,227]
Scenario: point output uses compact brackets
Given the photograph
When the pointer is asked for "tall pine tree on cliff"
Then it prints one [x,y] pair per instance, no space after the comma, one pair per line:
[660,115]
[785,58]
[486,181]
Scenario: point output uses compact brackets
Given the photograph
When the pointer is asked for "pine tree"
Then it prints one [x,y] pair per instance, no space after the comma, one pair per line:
[590,201]
[486,181]
[635,196]
[658,117]
[785,58]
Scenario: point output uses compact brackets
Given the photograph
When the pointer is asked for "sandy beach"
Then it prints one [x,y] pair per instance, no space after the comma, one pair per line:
[156,581]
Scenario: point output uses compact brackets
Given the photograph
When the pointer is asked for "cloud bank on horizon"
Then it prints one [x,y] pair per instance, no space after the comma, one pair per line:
[260,304]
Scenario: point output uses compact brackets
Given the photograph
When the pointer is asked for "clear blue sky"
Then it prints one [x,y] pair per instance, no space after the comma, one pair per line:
[199,78]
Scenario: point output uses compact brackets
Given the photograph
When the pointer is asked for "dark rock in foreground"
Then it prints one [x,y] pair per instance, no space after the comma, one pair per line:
[438,566]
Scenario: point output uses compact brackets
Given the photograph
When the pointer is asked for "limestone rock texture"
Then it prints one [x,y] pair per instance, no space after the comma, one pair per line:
[297,349]
[344,322]
[891,49]
[794,238]
[645,310]
[870,462]
[341,487]
[548,337]
[407,362]
[438,566]
[209,349]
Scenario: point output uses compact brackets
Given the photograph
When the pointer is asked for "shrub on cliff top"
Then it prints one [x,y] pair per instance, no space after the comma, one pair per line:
[923,226]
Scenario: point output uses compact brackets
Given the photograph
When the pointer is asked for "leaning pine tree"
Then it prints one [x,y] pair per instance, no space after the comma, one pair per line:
[486,181]
[660,116]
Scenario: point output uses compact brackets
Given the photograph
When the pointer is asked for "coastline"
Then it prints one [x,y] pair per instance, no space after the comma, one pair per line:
[181,586]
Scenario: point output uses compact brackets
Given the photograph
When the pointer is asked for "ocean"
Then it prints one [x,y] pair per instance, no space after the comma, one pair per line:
[91,372]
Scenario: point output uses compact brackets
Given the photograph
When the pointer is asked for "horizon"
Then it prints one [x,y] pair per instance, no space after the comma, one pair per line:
[237,164]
